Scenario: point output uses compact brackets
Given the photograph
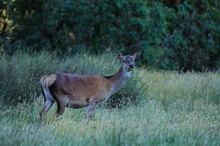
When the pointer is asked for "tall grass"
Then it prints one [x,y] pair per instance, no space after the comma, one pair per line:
[20,73]
[190,88]
[173,109]
[148,123]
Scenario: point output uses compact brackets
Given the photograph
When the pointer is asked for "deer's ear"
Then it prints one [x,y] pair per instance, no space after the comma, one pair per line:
[137,54]
[119,55]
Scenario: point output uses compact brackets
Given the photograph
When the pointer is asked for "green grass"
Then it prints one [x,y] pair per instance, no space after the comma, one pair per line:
[173,109]
[144,124]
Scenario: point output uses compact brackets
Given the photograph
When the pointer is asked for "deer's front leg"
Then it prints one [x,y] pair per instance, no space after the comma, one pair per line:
[90,110]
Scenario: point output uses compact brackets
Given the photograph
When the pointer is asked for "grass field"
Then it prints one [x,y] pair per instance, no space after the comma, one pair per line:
[176,109]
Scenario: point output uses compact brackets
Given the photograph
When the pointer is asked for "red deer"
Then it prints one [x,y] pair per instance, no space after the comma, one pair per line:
[77,91]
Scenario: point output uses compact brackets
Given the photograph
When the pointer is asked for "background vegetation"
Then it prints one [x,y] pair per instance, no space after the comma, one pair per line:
[173,34]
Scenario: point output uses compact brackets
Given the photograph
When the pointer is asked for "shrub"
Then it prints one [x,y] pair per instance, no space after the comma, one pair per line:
[71,24]
[183,36]
[173,34]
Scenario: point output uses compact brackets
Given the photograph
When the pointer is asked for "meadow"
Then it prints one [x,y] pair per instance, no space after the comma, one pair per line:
[157,107]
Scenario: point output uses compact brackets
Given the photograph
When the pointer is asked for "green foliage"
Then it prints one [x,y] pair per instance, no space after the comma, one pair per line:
[177,35]
[184,36]
[64,24]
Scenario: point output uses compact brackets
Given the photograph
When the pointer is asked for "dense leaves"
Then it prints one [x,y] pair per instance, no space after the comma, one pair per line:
[174,34]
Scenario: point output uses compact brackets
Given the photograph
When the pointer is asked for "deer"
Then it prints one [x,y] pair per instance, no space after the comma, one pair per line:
[78,91]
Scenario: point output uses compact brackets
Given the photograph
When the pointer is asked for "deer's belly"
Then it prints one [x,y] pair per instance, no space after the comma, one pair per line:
[76,104]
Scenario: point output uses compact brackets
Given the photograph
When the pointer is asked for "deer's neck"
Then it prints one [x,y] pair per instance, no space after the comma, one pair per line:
[118,80]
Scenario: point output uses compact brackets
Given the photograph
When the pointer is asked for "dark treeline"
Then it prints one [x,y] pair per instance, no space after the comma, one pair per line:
[173,34]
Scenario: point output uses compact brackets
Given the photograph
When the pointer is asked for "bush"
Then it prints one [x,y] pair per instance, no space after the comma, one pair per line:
[173,34]
[183,36]
[73,24]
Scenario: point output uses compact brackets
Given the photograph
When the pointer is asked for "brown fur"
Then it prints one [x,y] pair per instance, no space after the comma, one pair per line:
[82,89]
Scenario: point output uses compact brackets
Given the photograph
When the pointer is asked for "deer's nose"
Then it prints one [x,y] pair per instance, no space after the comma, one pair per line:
[131,65]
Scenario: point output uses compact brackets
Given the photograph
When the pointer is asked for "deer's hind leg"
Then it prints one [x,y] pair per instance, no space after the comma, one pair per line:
[61,104]
[60,110]
[47,105]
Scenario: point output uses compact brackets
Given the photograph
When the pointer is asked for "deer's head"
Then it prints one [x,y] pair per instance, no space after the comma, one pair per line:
[128,60]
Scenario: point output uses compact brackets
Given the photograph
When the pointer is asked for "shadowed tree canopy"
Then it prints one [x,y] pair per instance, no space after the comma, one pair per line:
[174,34]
